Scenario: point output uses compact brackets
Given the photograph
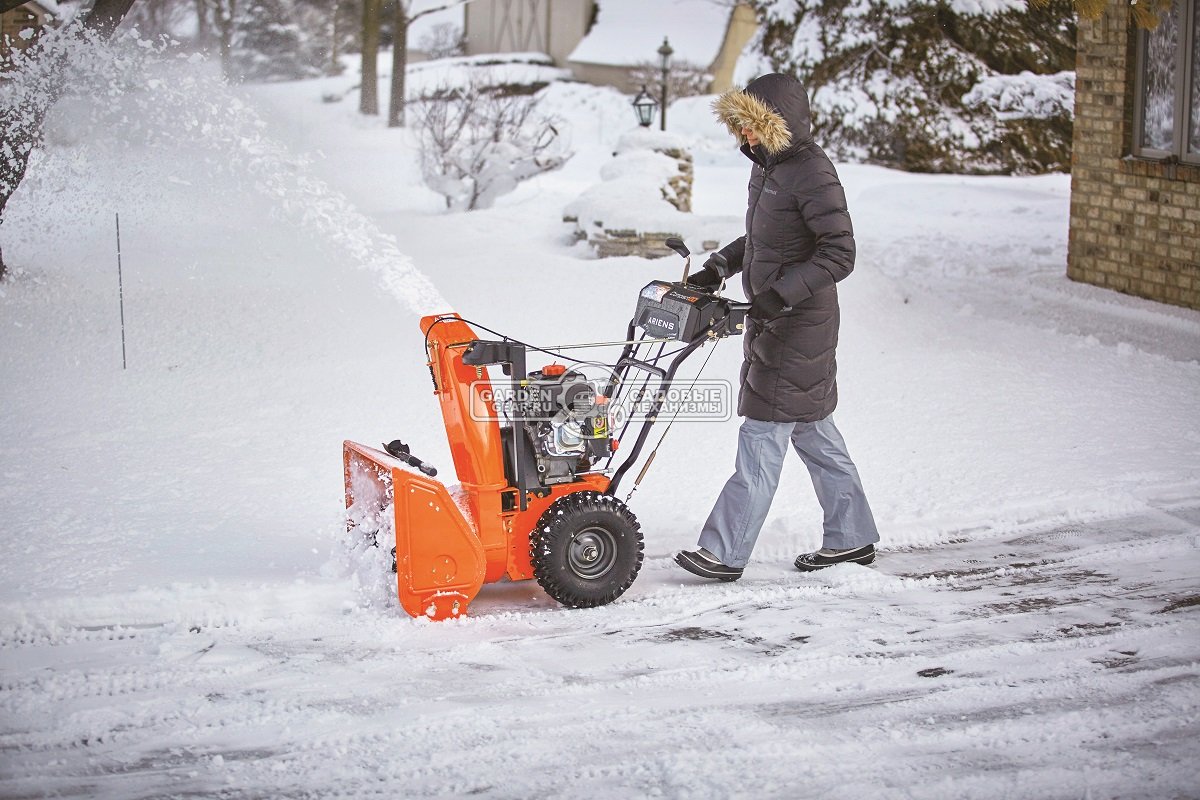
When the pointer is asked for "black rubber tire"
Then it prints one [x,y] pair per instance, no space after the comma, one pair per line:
[586,549]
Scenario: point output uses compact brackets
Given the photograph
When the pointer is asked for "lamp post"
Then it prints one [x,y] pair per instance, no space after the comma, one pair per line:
[664,54]
[644,105]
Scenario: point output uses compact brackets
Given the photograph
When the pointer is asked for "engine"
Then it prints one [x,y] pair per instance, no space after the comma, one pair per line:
[567,422]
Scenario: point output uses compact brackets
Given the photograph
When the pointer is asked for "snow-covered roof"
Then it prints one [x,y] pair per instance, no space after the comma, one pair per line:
[629,32]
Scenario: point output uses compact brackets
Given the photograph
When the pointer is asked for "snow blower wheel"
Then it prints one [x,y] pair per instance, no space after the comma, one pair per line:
[586,549]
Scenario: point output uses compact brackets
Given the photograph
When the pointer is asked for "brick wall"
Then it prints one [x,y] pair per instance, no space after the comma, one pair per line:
[1135,224]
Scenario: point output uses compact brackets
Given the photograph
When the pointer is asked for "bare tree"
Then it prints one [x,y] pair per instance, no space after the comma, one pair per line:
[203,25]
[22,118]
[478,144]
[335,24]
[335,40]
[444,40]
[402,19]
[224,19]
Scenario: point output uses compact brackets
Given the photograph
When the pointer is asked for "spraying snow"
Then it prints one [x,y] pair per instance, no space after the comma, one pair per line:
[131,100]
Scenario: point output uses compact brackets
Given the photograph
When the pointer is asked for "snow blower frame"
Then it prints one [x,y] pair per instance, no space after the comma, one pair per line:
[534,499]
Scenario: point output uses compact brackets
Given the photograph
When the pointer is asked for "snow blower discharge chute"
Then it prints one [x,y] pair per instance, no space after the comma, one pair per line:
[537,459]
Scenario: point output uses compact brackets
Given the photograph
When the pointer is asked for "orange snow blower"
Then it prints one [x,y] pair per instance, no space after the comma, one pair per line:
[536,457]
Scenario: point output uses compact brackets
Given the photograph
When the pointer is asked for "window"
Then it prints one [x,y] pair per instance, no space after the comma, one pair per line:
[1167,114]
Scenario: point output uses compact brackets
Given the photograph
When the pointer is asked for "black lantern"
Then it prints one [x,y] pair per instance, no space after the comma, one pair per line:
[664,54]
[644,105]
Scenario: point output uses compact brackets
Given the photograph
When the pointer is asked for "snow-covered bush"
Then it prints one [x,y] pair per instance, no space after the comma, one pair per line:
[477,144]
[931,86]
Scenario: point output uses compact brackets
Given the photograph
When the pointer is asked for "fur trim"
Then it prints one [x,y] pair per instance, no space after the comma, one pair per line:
[737,109]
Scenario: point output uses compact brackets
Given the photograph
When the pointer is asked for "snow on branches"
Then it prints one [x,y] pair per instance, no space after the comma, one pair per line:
[932,86]
[478,142]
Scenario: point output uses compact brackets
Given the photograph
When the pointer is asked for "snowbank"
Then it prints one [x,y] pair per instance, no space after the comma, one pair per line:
[506,69]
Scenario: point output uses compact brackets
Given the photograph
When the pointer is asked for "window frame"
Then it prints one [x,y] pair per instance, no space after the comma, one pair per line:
[1188,42]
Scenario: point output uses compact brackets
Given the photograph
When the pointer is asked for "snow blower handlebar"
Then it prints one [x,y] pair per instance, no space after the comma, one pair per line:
[678,311]
[660,396]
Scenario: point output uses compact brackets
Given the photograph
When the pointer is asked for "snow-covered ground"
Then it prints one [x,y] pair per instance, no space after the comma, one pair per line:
[174,620]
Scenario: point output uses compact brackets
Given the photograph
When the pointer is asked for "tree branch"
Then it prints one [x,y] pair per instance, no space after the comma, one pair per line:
[445,7]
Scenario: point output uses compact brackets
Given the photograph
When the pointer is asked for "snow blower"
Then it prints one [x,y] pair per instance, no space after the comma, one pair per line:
[537,458]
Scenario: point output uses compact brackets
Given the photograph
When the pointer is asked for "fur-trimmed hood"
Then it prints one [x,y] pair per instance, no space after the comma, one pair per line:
[775,106]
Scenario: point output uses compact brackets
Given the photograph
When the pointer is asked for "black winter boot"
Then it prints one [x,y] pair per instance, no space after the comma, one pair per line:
[821,559]
[706,565]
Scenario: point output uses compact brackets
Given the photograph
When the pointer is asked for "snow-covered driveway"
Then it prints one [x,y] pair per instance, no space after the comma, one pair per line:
[1056,662]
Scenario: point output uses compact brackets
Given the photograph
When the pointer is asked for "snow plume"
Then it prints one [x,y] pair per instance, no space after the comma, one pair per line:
[155,131]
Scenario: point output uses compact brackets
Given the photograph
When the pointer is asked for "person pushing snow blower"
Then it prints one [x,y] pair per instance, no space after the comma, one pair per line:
[799,243]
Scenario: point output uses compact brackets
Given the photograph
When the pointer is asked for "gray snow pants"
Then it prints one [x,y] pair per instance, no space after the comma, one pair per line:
[737,518]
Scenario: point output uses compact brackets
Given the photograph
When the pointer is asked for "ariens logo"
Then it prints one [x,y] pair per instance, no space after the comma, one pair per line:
[660,323]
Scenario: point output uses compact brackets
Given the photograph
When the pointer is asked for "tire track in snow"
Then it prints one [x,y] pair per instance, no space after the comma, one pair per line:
[891,660]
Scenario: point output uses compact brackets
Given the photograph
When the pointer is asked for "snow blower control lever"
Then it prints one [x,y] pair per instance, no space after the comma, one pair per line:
[400,451]
[537,457]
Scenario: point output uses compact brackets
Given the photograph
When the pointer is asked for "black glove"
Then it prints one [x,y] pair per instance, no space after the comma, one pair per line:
[715,270]
[767,306]
[707,279]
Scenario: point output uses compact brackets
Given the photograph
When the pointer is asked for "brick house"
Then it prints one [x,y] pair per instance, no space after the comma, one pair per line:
[1135,182]
[20,26]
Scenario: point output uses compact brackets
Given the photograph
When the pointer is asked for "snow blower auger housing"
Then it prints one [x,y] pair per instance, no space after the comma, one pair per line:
[535,454]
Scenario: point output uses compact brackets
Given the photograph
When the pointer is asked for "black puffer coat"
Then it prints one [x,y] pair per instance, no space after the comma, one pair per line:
[799,242]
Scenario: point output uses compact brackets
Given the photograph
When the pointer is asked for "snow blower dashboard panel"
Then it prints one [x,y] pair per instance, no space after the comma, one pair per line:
[677,311]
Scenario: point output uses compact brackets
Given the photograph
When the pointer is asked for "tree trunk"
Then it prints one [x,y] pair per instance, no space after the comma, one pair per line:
[203,27]
[224,17]
[399,65]
[335,36]
[368,101]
